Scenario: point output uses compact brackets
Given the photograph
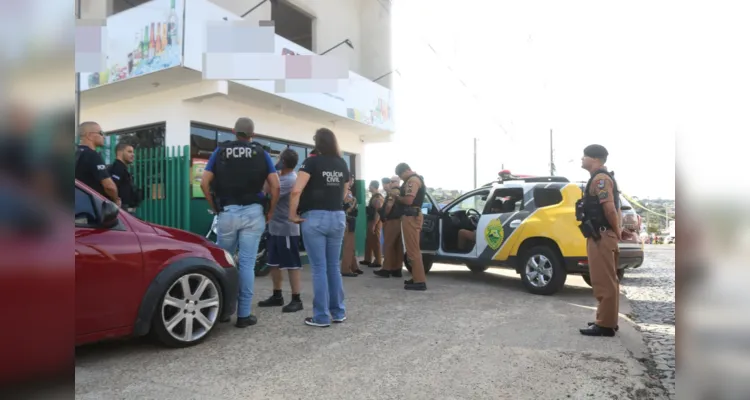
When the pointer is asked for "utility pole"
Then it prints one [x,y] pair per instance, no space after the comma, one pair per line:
[475,162]
[551,156]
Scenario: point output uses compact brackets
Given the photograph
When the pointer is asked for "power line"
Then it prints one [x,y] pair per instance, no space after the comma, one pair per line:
[447,66]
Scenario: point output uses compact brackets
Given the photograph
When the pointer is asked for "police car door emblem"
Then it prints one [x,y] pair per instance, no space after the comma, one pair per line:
[494,234]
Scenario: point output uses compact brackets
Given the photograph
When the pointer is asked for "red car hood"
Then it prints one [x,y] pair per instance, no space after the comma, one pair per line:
[181,235]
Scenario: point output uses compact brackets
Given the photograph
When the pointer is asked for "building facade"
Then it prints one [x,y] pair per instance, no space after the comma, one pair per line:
[152,91]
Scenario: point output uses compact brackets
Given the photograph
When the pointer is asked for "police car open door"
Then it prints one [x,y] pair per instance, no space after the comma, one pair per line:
[430,237]
[503,214]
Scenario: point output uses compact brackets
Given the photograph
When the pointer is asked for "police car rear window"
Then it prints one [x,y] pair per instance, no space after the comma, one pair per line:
[544,197]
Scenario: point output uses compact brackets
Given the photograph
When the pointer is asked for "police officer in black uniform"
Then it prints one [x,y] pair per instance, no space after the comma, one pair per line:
[237,172]
[129,195]
[90,167]
[599,213]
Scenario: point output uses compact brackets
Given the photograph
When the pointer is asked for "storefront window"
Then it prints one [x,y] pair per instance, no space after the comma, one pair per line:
[202,142]
[226,137]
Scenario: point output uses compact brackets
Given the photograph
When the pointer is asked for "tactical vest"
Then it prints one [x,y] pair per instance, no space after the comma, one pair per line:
[397,211]
[419,197]
[241,170]
[370,210]
[590,209]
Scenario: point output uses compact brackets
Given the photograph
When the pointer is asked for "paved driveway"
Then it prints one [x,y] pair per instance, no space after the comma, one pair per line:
[470,336]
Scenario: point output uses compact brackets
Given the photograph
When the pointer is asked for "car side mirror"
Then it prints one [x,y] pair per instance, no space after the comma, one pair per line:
[109,214]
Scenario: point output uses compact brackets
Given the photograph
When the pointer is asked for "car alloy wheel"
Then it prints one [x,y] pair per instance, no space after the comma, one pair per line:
[539,270]
[190,308]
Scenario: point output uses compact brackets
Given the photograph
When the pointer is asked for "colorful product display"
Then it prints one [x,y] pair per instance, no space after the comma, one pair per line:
[196,174]
[380,114]
[156,47]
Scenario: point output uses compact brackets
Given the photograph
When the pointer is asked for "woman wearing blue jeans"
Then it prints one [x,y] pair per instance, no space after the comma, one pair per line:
[318,198]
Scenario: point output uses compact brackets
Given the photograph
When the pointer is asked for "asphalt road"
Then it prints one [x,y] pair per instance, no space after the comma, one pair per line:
[470,336]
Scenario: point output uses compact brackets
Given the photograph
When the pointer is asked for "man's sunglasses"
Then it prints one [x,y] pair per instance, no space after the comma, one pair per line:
[101,133]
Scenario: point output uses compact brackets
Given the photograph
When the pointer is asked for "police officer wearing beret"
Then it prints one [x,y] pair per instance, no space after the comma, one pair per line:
[237,172]
[599,213]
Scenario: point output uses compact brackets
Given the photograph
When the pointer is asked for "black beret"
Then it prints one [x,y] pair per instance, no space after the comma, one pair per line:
[595,151]
[386,181]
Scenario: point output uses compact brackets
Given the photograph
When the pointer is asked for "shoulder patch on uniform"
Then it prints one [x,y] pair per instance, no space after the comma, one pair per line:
[603,194]
[601,184]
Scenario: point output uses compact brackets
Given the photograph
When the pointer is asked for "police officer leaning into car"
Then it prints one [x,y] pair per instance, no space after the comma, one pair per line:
[237,172]
[129,195]
[599,213]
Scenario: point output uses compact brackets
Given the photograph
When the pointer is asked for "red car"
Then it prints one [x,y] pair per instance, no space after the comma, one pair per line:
[135,278]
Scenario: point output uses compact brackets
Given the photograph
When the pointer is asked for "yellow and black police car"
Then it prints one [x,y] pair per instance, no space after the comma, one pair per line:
[525,223]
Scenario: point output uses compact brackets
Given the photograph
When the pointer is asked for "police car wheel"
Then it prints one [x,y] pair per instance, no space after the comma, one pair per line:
[620,274]
[587,279]
[542,271]
[426,261]
[188,310]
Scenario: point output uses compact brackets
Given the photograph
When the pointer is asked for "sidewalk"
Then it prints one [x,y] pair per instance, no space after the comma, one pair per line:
[470,336]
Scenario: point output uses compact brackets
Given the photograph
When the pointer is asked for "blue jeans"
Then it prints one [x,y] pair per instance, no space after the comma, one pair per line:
[323,234]
[242,226]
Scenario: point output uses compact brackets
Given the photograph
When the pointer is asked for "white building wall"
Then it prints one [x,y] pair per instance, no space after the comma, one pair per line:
[169,106]
[375,31]
[365,22]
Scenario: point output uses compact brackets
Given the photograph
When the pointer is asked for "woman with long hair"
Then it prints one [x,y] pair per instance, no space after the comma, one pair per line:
[317,203]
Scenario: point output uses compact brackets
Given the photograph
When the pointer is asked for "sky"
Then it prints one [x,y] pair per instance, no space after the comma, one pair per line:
[592,72]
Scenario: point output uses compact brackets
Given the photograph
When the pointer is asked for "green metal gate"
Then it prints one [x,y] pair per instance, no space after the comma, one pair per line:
[163,173]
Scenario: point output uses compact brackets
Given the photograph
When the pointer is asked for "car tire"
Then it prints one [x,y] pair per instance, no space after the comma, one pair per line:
[550,273]
[426,261]
[177,312]
[620,274]
[477,268]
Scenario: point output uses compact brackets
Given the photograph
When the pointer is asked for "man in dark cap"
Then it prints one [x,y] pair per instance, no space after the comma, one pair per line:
[236,174]
[600,217]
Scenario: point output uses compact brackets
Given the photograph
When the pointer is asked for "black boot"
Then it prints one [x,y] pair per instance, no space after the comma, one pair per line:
[415,286]
[247,321]
[617,328]
[293,306]
[364,263]
[596,330]
[396,273]
[383,273]
[276,300]
[375,265]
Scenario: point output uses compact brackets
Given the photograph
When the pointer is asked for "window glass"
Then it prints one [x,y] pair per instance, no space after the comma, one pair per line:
[348,158]
[476,201]
[202,142]
[508,199]
[85,214]
[225,137]
[140,138]
[544,197]
[274,148]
